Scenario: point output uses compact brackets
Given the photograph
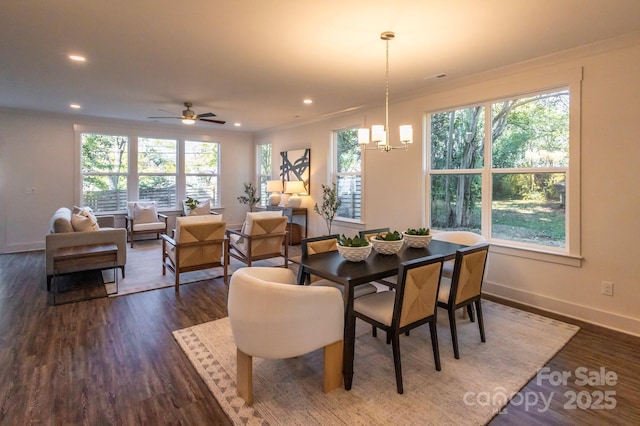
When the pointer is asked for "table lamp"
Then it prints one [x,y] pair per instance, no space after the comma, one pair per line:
[275,188]
[294,187]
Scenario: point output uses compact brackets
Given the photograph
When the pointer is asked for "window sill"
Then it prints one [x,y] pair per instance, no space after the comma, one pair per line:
[537,254]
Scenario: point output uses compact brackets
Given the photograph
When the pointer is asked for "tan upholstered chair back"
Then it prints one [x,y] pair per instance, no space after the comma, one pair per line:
[420,293]
[321,246]
[267,245]
[471,274]
[192,233]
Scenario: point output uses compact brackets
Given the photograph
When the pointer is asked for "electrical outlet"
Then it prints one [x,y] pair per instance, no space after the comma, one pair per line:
[607,288]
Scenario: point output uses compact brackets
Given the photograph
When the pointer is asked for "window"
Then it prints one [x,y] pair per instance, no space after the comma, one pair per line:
[501,169]
[201,168]
[104,171]
[348,174]
[263,156]
[157,172]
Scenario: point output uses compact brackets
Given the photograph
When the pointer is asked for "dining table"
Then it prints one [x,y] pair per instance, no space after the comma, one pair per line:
[332,266]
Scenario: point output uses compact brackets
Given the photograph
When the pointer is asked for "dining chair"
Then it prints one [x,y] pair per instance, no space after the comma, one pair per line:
[272,317]
[199,243]
[464,289]
[367,234]
[458,237]
[411,305]
[325,244]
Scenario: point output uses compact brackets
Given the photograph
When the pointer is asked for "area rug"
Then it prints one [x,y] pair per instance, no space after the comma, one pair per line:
[470,390]
[143,271]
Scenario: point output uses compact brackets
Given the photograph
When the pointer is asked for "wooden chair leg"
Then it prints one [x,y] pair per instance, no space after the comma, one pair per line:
[395,345]
[374,331]
[470,312]
[244,378]
[333,366]
[480,320]
[434,344]
[454,333]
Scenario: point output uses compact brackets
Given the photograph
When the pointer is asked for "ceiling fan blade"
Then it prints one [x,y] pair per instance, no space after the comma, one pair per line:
[213,121]
[206,114]
[164,117]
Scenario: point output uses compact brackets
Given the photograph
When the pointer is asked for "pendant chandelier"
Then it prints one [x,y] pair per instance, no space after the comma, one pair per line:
[380,133]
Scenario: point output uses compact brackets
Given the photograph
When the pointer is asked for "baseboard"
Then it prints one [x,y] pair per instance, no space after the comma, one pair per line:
[580,313]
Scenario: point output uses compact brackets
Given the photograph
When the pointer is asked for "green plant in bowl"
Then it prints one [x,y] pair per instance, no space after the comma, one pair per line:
[356,241]
[389,236]
[354,249]
[417,238]
[419,231]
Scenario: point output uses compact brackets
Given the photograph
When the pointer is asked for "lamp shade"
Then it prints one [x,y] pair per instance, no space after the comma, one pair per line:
[294,187]
[274,186]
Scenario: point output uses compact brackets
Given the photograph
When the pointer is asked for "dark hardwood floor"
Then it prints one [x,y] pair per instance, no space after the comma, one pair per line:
[113,361]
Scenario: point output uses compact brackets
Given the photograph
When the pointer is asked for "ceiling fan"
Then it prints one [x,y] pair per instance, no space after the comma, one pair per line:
[190,117]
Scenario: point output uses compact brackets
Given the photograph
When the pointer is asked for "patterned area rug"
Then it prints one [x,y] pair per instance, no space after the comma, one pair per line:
[144,270]
[471,390]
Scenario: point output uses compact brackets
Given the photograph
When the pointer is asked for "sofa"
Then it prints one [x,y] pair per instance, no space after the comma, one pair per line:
[80,227]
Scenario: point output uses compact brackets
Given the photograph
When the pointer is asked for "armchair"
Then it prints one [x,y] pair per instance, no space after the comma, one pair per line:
[199,243]
[143,218]
[272,317]
[263,236]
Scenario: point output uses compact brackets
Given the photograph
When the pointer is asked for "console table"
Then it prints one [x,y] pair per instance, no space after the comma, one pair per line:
[82,258]
[289,212]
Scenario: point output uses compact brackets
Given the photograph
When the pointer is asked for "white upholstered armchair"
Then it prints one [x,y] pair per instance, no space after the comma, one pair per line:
[273,317]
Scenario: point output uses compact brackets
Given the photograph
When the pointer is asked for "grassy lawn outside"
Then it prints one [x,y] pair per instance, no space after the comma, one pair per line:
[537,222]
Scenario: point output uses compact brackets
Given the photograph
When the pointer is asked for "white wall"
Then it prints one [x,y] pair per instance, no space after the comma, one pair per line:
[38,150]
[610,199]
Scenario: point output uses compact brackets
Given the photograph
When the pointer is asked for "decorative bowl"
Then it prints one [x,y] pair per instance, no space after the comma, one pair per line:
[386,247]
[354,254]
[417,241]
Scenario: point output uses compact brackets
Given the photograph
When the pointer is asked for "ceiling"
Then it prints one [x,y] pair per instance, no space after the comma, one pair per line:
[253,62]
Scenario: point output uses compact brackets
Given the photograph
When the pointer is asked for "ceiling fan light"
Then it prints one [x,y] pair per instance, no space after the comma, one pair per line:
[188,121]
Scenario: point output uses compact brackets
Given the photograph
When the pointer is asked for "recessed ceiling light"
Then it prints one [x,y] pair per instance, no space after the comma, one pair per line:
[308,101]
[237,124]
[75,106]
[77,58]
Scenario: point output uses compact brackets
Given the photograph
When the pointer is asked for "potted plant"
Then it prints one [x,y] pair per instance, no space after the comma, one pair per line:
[417,238]
[330,205]
[249,198]
[192,204]
[354,249]
[387,243]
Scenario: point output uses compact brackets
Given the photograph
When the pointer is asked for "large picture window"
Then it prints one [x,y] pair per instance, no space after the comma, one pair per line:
[348,174]
[104,171]
[500,168]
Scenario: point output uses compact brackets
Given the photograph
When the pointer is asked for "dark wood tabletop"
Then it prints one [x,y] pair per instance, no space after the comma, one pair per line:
[332,266]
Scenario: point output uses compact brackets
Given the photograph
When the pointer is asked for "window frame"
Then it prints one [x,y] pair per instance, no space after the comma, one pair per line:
[520,87]
[176,164]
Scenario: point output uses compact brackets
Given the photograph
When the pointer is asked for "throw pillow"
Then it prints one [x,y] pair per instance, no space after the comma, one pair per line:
[145,213]
[84,221]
